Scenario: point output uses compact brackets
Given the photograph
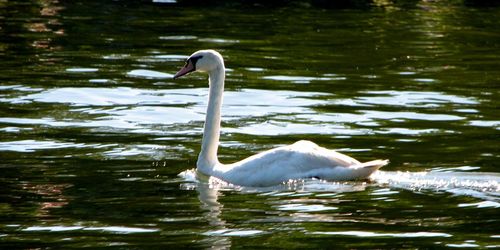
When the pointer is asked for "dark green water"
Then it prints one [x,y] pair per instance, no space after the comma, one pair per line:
[94,132]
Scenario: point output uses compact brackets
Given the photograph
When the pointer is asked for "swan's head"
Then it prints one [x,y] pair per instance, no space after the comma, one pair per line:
[203,61]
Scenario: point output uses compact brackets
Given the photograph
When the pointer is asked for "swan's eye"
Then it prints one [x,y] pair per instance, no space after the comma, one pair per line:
[194,59]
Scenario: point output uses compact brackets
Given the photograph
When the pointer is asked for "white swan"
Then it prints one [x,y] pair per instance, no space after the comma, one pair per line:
[301,160]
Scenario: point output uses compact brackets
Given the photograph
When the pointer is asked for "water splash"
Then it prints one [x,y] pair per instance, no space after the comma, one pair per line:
[480,185]
[485,186]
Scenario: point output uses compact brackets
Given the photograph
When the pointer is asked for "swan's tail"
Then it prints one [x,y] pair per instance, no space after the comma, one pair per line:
[376,164]
[364,170]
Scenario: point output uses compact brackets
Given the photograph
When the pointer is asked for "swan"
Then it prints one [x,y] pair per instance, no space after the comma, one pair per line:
[301,160]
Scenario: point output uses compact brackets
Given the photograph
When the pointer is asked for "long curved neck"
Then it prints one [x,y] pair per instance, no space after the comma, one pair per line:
[211,132]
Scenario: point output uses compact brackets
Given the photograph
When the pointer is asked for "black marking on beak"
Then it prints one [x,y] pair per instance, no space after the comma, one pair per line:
[189,67]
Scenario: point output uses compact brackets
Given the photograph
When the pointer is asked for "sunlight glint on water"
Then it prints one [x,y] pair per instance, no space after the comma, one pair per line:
[94,132]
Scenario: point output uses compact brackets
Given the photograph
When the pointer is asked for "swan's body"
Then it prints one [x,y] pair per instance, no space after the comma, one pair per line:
[301,160]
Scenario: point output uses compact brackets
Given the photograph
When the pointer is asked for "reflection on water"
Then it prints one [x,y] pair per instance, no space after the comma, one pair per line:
[94,130]
[314,200]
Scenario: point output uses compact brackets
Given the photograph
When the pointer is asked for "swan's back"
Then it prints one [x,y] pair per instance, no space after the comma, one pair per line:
[301,160]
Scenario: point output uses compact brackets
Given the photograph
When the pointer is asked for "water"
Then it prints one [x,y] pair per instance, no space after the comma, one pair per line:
[94,132]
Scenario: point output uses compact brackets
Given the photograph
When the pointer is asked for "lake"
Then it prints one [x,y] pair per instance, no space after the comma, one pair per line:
[98,143]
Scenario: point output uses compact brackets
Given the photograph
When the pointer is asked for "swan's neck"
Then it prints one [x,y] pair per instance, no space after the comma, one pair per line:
[207,159]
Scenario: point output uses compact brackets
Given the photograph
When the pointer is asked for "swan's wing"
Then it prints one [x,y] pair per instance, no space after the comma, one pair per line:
[314,151]
[300,160]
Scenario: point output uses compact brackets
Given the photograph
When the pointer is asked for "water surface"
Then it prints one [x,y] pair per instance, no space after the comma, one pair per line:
[94,132]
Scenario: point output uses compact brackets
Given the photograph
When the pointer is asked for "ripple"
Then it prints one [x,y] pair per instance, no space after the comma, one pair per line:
[234,232]
[491,124]
[122,230]
[52,228]
[409,131]
[366,234]
[297,79]
[154,115]
[406,73]
[410,116]
[482,204]
[20,88]
[281,128]
[425,80]
[14,129]
[144,151]
[305,208]
[454,169]
[384,191]
[142,110]
[180,37]
[255,69]
[117,124]
[129,96]
[412,99]
[170,57]
[109,96]
[82,70]
[111,229]
[148,74]
[218,40]
[27,146]
[463,245]
[99,80]
[470,111]
[116,56]
[164,1]
[248,111]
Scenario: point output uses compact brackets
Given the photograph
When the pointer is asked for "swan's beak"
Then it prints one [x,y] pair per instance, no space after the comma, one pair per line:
[189,67]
